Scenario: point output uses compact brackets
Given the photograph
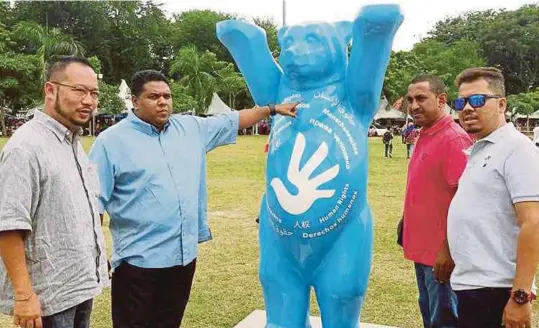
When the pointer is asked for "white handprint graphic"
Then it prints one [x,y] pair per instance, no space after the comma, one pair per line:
[308,191]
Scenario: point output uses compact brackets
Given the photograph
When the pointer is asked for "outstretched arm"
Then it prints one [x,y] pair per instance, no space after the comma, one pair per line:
[248,46]
[372,38]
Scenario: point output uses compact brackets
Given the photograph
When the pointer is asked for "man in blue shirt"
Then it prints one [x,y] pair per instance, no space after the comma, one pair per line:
[152,169]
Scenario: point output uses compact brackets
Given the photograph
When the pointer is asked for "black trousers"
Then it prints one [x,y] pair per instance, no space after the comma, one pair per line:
[482,307]
[150,298]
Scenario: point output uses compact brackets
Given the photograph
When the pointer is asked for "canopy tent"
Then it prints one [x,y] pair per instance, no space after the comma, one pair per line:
[389,112]
[451,112]
[125,94]
[217,106]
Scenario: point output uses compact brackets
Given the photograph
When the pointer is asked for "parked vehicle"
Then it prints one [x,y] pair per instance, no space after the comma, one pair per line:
[376,131]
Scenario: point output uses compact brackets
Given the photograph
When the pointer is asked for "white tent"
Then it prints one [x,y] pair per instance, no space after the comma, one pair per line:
[451,112]
[217,106]
[388,112]
[125,94]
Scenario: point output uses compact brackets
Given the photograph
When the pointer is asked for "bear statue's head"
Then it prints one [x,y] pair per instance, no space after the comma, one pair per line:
[315,54]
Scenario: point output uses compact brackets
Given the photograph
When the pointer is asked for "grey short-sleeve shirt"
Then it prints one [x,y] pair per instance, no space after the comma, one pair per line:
[49,189]
[482,229]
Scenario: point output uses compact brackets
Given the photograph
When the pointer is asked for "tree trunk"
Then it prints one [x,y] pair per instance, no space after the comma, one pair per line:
[2,121]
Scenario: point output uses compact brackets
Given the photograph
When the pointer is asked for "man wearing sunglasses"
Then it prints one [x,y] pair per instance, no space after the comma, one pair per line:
[435,167]
[152,168]
[493,220]
[51,243]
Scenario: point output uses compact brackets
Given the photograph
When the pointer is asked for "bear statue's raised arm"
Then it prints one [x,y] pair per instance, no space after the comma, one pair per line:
[248,46]
[372,38]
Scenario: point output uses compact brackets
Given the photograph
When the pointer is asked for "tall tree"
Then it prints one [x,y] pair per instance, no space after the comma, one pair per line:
[197,28]
[19,77]
[447,62]
[46,43]
[182,100]
[508,40]
[524,104]
[198,72]
[402,67]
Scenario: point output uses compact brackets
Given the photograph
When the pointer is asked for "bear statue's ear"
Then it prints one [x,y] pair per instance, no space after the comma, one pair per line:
[280,34]
[344,29]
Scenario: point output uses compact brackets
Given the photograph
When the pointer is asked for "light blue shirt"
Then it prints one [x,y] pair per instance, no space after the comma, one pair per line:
[153,186]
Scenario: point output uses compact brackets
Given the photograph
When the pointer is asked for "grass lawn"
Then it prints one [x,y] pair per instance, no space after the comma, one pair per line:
[226,287]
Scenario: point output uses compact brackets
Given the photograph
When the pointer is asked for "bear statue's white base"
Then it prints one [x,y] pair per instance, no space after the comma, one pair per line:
[257,319]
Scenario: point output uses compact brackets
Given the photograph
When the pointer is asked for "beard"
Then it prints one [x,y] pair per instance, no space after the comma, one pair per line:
[71,118]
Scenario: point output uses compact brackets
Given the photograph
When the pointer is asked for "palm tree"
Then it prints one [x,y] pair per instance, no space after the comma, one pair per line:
[232,83]
[197,72]
[47,42]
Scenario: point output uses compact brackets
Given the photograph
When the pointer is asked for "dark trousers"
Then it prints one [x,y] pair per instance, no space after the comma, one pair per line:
[389,149]
[75,317]
[437,302]
[482,307]
[150,298]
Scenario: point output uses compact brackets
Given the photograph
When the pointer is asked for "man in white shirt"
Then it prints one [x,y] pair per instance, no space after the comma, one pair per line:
[493,220]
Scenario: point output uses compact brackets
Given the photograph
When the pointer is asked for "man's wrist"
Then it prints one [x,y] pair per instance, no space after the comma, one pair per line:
[272,109]
[23,297]
[522,296]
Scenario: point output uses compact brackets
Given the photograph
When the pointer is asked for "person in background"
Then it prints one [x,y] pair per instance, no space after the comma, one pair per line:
[433,174]
[387,139]
[536,135]
[493,220]
[409,137]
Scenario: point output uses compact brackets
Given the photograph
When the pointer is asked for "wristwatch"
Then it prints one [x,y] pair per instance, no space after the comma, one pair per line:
[521,297]
[272,109]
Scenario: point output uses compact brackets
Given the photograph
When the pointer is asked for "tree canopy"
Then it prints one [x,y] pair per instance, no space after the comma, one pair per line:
[127,36]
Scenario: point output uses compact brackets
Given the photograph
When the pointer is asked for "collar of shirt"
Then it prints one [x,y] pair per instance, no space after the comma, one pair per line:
[438,126]
[492,138]
[143,126]
[61,132]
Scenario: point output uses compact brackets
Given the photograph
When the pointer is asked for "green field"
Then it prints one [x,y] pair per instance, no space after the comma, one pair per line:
[226,287]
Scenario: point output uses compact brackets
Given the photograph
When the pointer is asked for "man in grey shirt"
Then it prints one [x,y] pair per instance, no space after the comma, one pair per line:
[493,220]
[51,242]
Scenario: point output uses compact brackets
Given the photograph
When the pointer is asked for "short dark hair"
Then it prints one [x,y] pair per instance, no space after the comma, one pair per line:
[493,76]
[436,84]
[140,78]
[59,65]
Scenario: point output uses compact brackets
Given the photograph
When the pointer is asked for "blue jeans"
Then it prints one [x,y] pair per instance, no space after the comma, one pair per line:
[437,302]
[75,317]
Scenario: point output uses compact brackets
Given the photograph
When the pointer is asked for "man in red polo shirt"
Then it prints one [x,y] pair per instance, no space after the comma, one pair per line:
[436,165]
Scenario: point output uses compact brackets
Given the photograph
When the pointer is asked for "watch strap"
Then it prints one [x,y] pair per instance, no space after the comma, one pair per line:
[272,109]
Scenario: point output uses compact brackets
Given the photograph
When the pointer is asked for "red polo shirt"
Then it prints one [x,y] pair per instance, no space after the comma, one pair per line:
[435,168]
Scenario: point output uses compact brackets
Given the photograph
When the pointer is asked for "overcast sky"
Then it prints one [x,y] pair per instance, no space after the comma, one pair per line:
[419,15]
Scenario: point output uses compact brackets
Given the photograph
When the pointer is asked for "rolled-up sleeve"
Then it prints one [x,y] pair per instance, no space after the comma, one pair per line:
[522,174]
[219,130]
[19,189]
[98,156]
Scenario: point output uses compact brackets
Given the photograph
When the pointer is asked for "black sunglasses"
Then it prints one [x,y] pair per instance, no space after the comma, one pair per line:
[475,101]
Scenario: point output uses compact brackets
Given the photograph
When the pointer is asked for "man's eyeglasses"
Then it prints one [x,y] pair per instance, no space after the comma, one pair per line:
[80,90]
[475,101]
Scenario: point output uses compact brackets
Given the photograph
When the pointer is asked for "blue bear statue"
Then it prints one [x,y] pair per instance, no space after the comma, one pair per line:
[315,223]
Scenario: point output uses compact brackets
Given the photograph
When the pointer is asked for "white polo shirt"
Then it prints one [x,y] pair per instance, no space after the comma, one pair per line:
[482,229]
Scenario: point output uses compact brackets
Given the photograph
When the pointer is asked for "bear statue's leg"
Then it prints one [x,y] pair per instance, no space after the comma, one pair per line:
[286,294]
[341,281]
